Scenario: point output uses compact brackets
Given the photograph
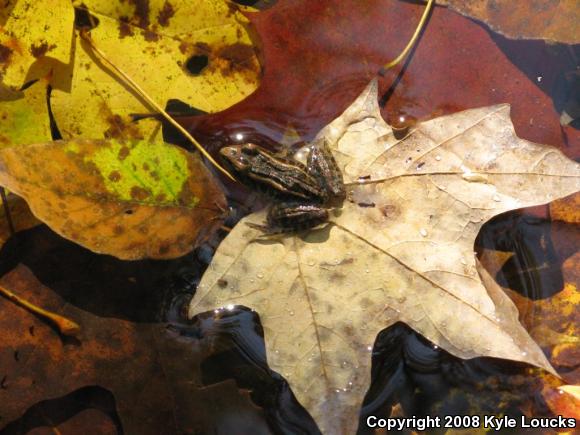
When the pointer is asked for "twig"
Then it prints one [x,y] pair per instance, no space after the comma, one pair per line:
[86,36]
[64,325]
[413,38]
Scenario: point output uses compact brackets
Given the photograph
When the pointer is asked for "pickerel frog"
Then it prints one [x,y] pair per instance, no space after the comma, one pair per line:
[303,194]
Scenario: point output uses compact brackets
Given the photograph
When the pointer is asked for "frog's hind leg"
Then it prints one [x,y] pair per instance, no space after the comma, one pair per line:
[288,217]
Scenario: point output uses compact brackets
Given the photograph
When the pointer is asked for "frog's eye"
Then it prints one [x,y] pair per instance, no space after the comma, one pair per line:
[250,150]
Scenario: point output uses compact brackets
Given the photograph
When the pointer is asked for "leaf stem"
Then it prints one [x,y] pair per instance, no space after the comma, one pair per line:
[87,37]
[413,38]
[64,325]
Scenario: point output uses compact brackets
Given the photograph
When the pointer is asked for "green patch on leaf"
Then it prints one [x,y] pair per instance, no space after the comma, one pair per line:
[143,172]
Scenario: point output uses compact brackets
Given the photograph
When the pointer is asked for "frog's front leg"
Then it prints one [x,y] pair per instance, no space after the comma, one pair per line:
[295,216]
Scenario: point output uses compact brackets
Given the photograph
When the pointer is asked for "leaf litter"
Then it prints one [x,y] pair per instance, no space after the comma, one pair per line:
[408,257]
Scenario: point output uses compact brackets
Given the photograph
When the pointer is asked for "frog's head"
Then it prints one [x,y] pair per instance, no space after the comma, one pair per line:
[239,158]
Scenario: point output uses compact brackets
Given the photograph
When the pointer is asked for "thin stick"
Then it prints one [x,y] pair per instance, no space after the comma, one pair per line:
[85,35]
[7,211]
[413,38]
[64,325]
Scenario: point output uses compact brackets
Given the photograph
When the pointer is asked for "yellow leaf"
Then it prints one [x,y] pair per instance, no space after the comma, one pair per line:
[405,254]
[154,43]
[31,30]
[24,116]
[130,199]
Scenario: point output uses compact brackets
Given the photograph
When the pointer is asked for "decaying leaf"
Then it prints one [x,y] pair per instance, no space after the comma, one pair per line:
[400,249]
[128,199]
[198,52]
[151,377]
[555,21]
[24,116]
[31,30]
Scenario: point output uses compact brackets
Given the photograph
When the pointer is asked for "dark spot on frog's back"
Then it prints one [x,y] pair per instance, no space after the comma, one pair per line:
[139,194]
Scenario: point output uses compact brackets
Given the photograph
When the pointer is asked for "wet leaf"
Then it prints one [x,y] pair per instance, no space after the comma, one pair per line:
[128,199]
[31,30]
[406,257]
[199,52]
[457,65]
[555,21]
[564,400]
[149,374]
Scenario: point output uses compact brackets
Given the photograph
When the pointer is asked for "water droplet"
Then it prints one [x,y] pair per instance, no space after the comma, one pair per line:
[367,271]
[369,348]
[423,232]
[338,391]
[276,351]
[463,261]
[496,198]
[435,347]
[539,78]
[344,364]
[402,299]
[252,280]
[311,263]
[524,353]
[260,275]
[239,137]
[230,307]
[291,312]
[438,158]
[216,311]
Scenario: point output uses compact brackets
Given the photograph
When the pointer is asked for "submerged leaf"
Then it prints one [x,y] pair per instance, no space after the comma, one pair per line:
[400,249]
[128,199]
[31,30]
[555,21]
[198,52]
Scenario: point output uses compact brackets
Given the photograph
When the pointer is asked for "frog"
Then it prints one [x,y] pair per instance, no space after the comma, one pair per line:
[302,193]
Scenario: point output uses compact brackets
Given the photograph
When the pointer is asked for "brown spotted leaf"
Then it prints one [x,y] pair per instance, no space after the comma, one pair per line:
[128,199]
[400,249]
[198,52]
[553,20]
